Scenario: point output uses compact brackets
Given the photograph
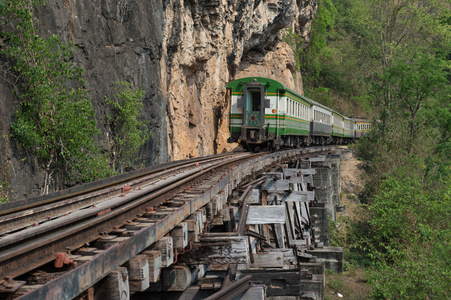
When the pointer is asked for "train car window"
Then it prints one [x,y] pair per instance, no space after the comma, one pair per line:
[255,100]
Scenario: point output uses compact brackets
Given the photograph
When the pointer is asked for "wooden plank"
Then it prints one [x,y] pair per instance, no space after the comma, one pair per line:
[216,205]
[268,260]
[255,198]
[290,172]
[280,185]
[138,267]
[180,235]
[176,278]
[291,217]
[307,179]
[294,180]
[301,196]
[275,175]
[155,263]
[317,159]
[138,270]
[277,282]
[138,285]
[255,292]
[198,216]
[218,249]
[308,171]
[164,245]
[305,213]
[266,215]
[193,230]
[179,278]
[279,235]
[275,196]
[114,286]
[288,225]
[297,197]
[298,215]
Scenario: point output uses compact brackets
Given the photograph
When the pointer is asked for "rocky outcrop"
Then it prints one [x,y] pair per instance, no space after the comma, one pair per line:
[182,53]
[208,43]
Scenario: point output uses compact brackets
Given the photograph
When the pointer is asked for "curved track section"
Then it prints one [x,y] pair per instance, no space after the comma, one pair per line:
[143,207]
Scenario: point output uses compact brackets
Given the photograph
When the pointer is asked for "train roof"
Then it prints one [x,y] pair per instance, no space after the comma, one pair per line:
[361,120]
[273,86]
[323,106]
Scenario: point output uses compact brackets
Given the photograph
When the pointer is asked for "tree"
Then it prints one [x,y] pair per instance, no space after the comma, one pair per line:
[55,119]
[400,32]
[129,134]
[416,83]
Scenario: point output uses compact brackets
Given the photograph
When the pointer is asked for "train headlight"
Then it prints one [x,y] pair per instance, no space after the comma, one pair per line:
[273,111]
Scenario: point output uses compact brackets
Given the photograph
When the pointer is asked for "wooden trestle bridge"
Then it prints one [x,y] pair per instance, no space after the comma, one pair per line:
[212,227]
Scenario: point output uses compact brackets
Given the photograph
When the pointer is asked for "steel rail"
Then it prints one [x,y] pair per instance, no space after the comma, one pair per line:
[44,213]
[24,204]
[21,257]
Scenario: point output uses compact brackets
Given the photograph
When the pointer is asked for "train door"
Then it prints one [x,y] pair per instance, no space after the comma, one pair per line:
[253,108]
[253,103]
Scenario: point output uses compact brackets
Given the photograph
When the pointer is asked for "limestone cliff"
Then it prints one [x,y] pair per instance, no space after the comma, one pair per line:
[182,53]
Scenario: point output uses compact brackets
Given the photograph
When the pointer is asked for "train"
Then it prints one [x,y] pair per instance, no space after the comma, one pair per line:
[265,114]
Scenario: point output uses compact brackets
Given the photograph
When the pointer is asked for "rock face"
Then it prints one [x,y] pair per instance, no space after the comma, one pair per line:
[182,53]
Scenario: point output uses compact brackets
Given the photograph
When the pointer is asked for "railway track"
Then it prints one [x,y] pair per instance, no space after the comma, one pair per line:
[75,220]
[140,207]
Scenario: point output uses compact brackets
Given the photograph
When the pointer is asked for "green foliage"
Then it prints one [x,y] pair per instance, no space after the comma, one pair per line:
[392,59]
[409,237]
[55,119]
[294,40]
[129,134]
[3,192]
[323,25]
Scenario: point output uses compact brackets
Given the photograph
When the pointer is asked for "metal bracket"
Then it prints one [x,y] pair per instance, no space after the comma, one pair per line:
[8,285]
[64,258]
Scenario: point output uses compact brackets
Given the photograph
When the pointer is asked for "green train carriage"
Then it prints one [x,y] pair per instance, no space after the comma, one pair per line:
[265,113]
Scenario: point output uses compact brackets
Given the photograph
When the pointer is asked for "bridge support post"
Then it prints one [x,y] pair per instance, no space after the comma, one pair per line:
[114,286]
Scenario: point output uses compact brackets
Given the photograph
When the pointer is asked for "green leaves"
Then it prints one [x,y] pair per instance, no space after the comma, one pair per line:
[129,134]
[409,236]
[402,49]
[55,119]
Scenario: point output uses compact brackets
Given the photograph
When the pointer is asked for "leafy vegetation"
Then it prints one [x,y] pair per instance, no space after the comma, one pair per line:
[3,192]
[129,134]
[390,60]
[55,119]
